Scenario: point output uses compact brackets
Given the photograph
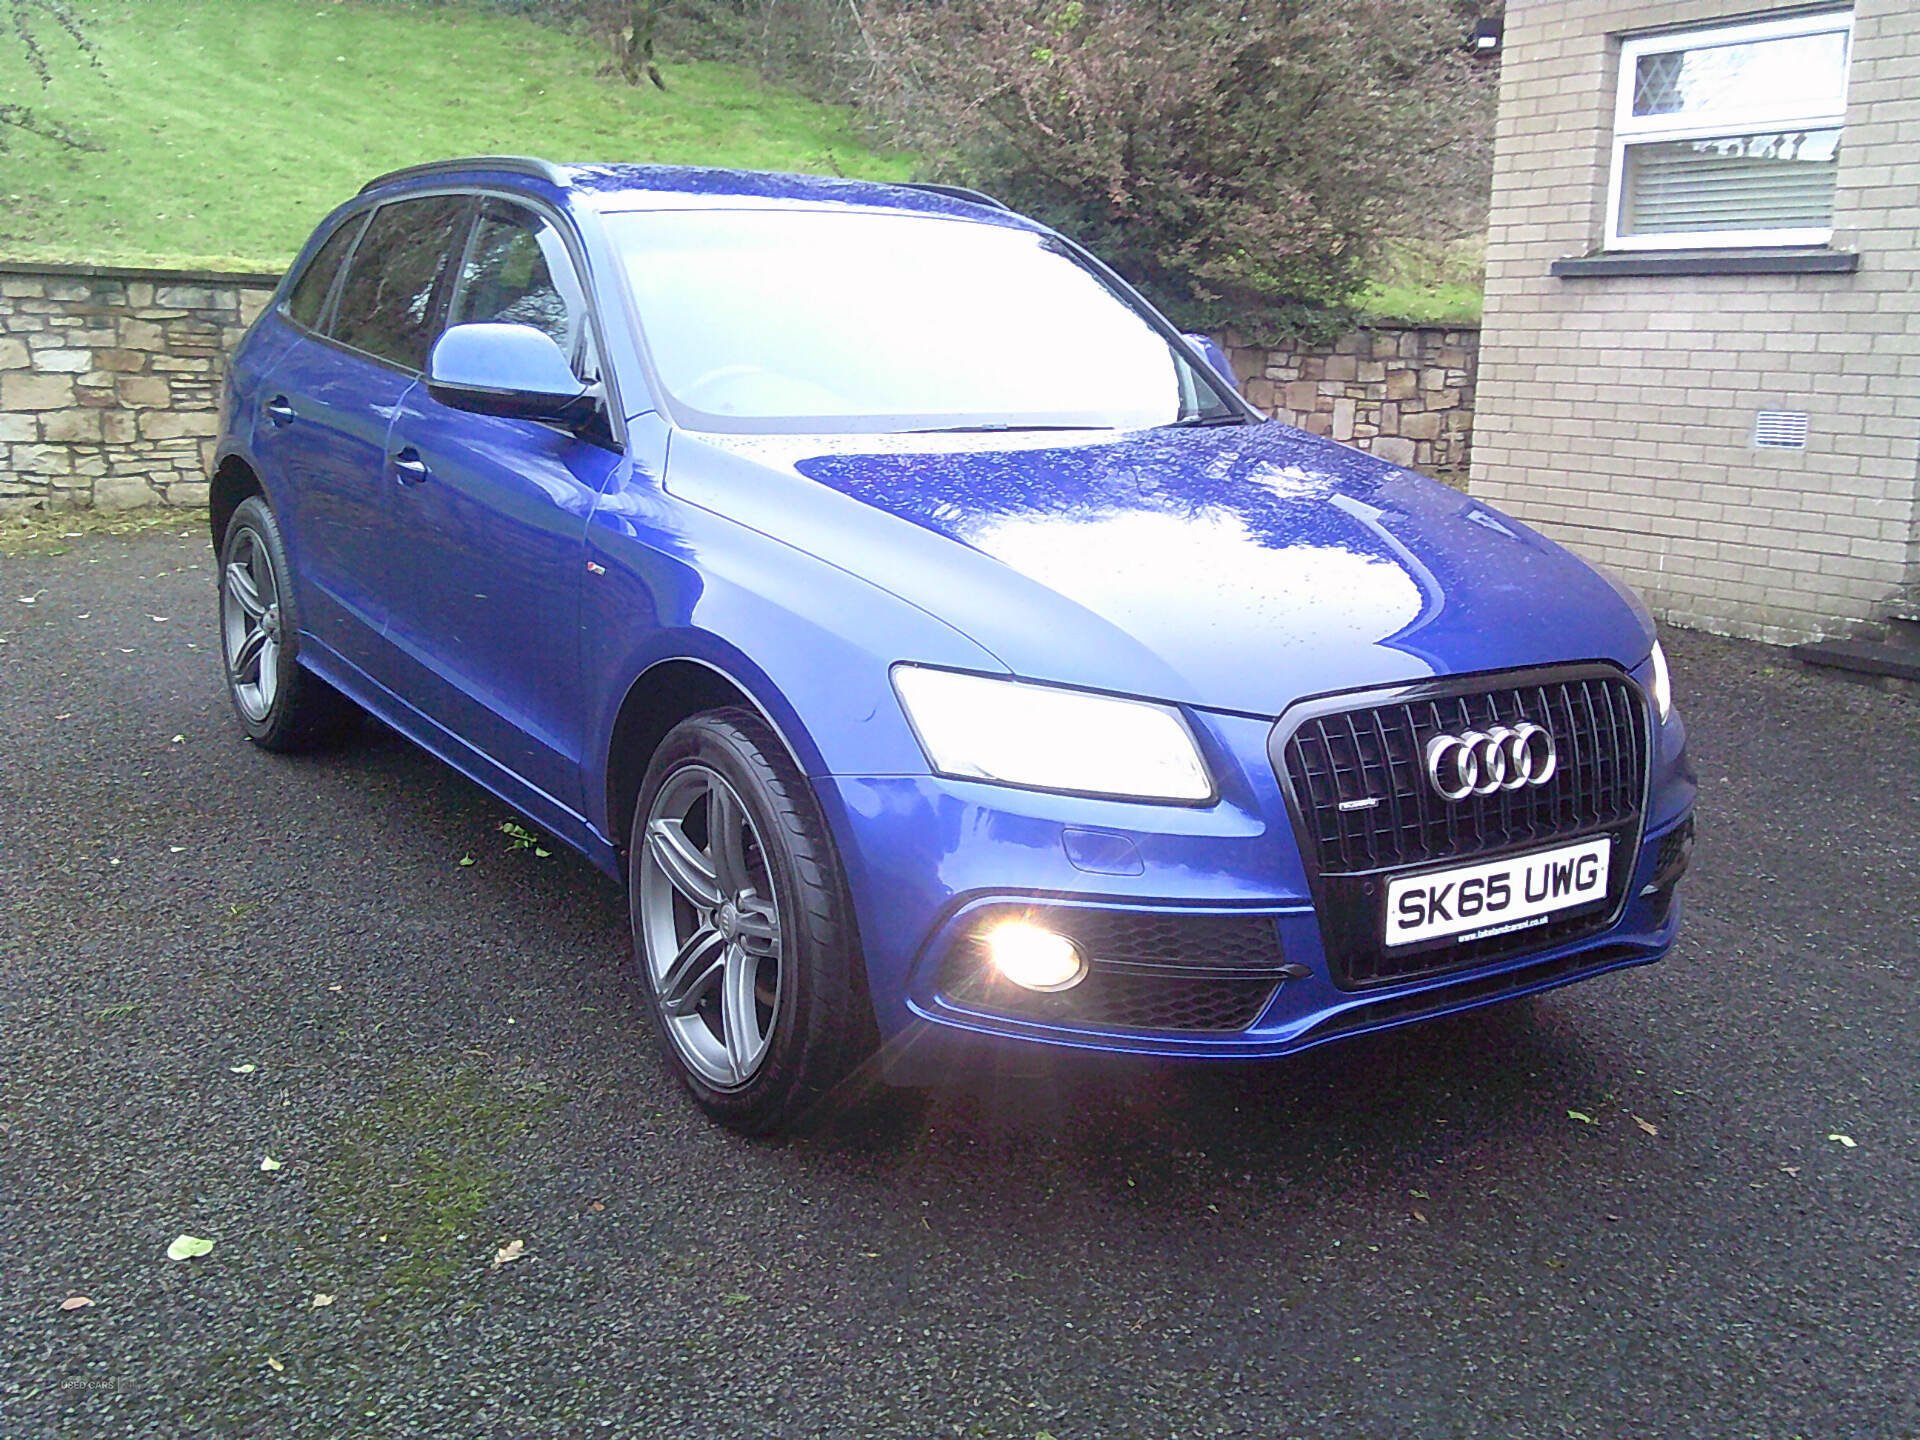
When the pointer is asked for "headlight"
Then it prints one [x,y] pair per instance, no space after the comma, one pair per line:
[979,728]
[1661,687]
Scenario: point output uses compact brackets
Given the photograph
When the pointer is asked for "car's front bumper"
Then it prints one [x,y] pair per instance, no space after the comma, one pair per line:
[926,855]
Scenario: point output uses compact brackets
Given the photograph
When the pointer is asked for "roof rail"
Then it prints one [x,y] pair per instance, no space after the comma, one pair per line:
[958,192]
[519,164]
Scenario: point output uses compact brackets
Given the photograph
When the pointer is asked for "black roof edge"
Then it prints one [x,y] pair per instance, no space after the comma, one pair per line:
[518,164]
[958,192]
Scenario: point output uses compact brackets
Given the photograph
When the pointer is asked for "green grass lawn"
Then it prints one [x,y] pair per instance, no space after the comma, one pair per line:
[229,127]
[1428,282]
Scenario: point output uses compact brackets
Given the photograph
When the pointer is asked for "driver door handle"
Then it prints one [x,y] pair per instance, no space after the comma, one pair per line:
[410,468]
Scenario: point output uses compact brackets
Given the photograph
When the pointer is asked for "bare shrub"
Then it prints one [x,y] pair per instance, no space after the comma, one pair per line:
[1241,161]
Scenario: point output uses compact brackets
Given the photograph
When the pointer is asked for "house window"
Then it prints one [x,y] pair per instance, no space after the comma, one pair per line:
[1729,136]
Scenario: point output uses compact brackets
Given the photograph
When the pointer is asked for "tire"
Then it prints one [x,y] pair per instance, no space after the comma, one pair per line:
[747,950]
[280,703]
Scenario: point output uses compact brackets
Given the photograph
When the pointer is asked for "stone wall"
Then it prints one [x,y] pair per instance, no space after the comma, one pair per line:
[110,381]
[1406,393]
[110,384]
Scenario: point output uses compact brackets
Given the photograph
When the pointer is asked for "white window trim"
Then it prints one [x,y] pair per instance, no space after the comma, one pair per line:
[1628,128]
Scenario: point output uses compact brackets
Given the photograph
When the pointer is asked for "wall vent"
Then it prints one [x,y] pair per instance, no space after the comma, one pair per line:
[1780,430]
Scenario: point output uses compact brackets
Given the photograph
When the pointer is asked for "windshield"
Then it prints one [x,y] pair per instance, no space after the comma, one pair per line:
[768,320]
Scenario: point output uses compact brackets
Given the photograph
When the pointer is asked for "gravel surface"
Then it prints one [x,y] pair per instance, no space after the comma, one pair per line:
[210,955]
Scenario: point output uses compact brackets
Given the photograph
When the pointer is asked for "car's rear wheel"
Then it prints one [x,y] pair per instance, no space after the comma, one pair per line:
[742,928]
[281,704]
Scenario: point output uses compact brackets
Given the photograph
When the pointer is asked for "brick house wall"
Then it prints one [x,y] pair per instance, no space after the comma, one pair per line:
[1616,412]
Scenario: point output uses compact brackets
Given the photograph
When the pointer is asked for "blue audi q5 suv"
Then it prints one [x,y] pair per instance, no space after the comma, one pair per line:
[945,657]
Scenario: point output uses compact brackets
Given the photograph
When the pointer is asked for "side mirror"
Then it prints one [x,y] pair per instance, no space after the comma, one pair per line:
[510,370]
[1215,354]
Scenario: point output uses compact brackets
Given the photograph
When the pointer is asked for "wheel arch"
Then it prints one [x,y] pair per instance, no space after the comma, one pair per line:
[665,693]
[233,482]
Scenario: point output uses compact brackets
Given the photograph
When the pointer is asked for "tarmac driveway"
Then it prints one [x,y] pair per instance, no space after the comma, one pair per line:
[1623,1209]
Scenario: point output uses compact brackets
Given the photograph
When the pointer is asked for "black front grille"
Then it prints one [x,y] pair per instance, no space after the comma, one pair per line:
[1599,728]
[1363,749]
[1670,862]
[1146,970]
[1120,1000]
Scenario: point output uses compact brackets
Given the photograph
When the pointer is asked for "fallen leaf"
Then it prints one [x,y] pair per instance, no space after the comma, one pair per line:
[1583,1119]
[332,988]
[267,1162]
[1790,1169]
[158,619]
[1421,1216]
[320,1302]
[1646,1125]
[1419,1194]
[175,849]
[596,1207]
[76,1302]
[736,1298]
[1846,1140]
[509,1251]
[178,740]
[465,860]
[274,1365]
[543,854]
[187,1247]
[241,1069]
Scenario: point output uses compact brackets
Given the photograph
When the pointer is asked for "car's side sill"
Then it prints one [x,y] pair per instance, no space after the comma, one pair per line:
[566,824]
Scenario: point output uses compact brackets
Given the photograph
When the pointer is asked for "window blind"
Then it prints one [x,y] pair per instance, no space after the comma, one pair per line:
[1747,182]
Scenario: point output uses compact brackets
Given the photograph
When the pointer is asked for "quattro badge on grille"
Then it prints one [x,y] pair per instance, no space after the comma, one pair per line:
[1481,762]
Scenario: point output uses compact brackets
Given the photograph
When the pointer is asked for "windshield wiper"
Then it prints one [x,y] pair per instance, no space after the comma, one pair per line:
[994,429]
[1188,422]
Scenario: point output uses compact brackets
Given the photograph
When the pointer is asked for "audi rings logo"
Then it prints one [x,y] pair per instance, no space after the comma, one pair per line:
[1481,762]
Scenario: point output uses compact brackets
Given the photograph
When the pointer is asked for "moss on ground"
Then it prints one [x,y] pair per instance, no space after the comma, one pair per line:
[403,1204]
[52,532]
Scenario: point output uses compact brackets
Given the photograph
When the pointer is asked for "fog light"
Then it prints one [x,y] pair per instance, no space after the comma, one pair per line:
[1035,958]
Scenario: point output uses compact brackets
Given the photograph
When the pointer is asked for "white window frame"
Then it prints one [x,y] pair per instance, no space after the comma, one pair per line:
[1629,128]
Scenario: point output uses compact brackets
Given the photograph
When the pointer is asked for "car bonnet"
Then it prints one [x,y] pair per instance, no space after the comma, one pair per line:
[1236,567]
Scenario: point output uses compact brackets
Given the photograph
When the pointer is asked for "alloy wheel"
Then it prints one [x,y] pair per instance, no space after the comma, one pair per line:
[250,625]
[710,926]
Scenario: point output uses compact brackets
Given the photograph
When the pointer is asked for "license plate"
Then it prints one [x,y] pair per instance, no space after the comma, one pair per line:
[1474,901]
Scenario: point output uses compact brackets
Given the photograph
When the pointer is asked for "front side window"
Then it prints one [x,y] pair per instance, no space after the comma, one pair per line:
[1730,136]
[517,272]
[386,301]
[857,321]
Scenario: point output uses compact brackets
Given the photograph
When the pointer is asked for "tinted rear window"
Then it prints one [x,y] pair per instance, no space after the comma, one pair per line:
[386,303]
[309,295]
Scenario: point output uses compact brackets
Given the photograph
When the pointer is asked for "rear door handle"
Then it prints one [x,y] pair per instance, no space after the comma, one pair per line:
[410,468]
[280,410]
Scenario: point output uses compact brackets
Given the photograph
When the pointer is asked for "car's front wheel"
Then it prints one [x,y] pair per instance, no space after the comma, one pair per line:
[742,928]
[282,705]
